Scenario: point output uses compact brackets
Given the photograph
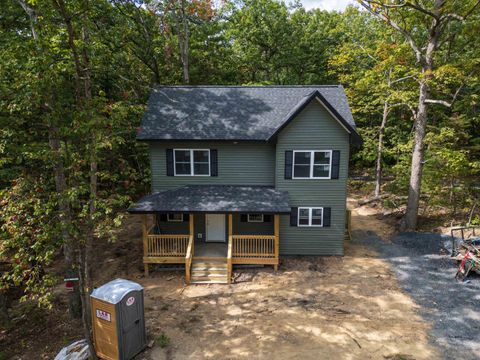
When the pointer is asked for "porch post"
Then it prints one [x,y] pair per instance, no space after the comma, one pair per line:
[145,242]
[229,251]
[190,249]
[190,219]
[276,220]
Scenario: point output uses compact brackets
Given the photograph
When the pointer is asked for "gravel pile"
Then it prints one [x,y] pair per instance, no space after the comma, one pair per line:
[423,265]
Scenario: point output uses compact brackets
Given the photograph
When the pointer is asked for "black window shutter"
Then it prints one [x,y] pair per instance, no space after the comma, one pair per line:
[335,164]
[294,216]
[170,162]
[243,218]
[267,218]
[213,162]
[288,164]
[163,217]
[327,215]
[186,217]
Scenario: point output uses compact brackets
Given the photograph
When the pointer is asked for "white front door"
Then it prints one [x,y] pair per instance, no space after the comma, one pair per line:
[215,227]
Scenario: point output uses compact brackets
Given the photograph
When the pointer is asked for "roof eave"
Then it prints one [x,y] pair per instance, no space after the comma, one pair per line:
[201,139]
[134,212]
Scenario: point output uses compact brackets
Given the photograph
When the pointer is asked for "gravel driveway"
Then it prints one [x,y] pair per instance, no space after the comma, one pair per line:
[427,273]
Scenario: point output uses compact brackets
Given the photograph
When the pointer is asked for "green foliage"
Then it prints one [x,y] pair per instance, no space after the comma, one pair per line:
[133,44]
[163,341]
[29,238]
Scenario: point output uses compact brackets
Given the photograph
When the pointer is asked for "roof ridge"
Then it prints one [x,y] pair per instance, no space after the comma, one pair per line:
[247,86]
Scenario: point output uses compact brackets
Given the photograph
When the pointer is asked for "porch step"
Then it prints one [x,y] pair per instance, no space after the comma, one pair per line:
[209,281]
[197,259]
[209,272]
[208,266]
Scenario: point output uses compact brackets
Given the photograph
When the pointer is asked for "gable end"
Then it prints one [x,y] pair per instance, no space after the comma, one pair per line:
[354,136]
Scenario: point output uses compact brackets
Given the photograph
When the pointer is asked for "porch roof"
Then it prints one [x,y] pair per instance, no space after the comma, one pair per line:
[215,199]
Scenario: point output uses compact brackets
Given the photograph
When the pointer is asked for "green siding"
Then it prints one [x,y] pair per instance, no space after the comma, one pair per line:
[238,164]
[246,228]
[174,227]
[313,129]
[263,164]
[239,228]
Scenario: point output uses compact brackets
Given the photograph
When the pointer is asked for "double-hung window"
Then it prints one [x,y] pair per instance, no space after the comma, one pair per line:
[312,164]
[255,218]
[192,162]
[310,216]
[174,217]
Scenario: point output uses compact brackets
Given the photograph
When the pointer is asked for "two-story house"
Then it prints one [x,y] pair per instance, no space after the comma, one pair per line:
[242,175]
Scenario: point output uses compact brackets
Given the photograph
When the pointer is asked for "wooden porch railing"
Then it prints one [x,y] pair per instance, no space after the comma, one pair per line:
[167,249]
[167,245]
[248,246]
[255,249]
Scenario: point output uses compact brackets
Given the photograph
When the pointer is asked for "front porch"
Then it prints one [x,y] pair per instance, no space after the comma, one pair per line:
[239,248]
[210,228]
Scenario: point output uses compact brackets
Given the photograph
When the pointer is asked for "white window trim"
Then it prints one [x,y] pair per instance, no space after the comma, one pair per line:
[309,216]
[255,221]
[170,219]
[191,163]
[312,159]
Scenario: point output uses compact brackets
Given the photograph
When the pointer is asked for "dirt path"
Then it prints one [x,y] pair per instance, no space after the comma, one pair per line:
[313,308]
[426,271]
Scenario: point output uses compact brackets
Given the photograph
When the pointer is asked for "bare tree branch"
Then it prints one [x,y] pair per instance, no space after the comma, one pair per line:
[406,4]
[393,24]
[32,16]
[446,103]
[458,17]
[440,102]
[402,79]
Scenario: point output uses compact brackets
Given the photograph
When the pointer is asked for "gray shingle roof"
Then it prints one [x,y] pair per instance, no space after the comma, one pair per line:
[215,199]
[232,112]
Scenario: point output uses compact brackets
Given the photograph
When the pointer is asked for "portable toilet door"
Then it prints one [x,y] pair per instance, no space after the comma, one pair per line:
[118,320]
[133,338]
[105,333]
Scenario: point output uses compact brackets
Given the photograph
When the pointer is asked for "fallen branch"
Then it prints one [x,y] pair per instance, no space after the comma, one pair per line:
[373,199]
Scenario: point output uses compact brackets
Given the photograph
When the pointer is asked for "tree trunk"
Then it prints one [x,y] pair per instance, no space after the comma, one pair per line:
[185,59]
[83,92]
[86,319]
[4,317]
[381,132]
[181,25]
[60,185]
[409,221]
[86,281]
[74,303]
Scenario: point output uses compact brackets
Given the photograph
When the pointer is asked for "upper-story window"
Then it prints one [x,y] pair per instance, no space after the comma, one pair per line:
[310,216]
[191,162]
[312,164]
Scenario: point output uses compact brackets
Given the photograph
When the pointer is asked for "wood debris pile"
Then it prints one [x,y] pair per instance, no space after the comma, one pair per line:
[467,252]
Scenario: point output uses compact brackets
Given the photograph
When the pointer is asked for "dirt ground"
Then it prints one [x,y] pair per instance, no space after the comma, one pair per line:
[312,308]
[347,307]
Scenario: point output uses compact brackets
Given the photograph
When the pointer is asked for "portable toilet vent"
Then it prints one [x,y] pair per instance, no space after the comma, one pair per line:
[118,320]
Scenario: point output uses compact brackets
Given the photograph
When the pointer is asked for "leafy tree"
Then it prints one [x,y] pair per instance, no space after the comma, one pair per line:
[425,28]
